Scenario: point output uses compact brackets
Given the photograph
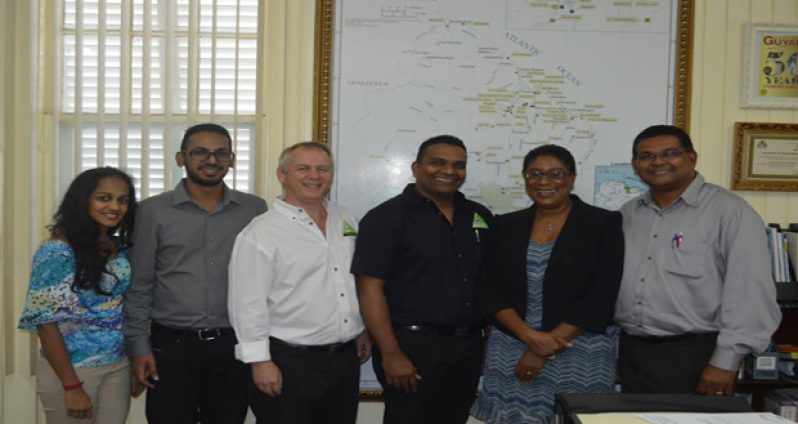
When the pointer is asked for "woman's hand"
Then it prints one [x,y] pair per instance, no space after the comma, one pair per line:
[529,366]
[545,344]
[78,403]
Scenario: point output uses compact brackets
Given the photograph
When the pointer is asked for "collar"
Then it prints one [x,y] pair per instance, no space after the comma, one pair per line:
[291,211]
[689,196]
[412,197]
[180,195]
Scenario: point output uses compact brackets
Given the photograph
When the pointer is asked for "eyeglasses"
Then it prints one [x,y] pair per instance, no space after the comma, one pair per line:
[667,155]
[553,174]
[203,154]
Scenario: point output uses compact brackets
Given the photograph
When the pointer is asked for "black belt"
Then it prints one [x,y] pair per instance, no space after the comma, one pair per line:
[668,339]
[201,334]
[324,348]
[444,330]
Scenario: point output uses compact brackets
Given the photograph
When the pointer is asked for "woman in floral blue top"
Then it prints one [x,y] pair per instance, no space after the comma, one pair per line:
[74,301]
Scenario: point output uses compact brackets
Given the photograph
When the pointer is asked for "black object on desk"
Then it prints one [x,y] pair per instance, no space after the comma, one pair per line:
[567,405]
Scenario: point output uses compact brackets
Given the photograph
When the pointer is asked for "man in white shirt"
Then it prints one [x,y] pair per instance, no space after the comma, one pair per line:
[293,303]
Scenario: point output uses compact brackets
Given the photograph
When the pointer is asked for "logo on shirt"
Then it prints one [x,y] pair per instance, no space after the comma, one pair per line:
[349,230]
[479,222]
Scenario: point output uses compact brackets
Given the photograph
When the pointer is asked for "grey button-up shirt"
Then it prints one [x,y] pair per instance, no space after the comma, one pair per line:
[179,258]
[699,265]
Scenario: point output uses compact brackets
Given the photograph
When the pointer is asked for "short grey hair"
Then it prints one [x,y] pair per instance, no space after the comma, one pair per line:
[285,156]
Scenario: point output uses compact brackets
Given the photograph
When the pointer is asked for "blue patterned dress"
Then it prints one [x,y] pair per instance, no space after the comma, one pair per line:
[588,366]
[90,323]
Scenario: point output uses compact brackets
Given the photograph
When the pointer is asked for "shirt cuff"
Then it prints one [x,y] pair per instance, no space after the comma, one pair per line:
[253,351]
[726,359]
[138,346]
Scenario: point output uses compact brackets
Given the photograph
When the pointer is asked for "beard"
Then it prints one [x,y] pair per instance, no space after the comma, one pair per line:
[195,178]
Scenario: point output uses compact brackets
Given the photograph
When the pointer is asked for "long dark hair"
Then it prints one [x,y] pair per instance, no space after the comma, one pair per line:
[73,222]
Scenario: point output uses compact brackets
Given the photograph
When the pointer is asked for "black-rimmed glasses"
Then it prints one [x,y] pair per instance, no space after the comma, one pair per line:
[552,174]
[222,155]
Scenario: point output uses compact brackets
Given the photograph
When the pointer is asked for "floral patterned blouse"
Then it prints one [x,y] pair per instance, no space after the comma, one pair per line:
[90,323]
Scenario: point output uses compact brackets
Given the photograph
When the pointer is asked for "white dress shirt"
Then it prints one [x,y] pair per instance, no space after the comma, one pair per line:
[290,282]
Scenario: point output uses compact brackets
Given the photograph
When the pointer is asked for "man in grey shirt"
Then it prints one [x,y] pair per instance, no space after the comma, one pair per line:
[697,293]
[176,326]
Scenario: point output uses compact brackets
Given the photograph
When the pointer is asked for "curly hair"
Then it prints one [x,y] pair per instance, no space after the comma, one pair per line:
[73,223]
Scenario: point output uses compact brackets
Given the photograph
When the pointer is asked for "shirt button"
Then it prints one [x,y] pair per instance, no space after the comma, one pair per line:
[460,255]
[655,236]
[310,223]
[465,279]
[346,320]
[468,304]
[642,279]
[335,269]
[210,263]
[342,295]
[210,238]
[649,258]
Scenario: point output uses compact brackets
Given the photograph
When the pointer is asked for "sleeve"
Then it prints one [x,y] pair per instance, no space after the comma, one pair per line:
[594,309]
[138,299]
[376,246]
[250,274]
[495,290]
[50,297]
[749,313]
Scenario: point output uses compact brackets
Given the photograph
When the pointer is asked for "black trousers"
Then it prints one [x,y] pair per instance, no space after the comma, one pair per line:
[664,364]
[449,366]
[200,381]
[318,387]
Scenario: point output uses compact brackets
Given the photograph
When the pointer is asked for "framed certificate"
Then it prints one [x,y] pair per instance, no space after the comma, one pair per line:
[765,157]
[771,66]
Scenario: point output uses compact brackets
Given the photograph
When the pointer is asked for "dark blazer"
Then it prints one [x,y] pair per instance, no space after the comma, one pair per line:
[582,277]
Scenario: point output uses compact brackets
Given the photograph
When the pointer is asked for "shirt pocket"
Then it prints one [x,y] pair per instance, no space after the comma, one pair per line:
[688,261]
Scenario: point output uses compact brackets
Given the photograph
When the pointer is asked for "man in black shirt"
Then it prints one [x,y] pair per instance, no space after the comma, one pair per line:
[417,260]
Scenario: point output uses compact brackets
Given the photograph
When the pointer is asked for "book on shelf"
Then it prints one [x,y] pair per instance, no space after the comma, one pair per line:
[783,248]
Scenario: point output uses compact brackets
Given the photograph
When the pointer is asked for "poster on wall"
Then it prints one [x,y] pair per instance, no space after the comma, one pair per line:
[505,76]
[771,66]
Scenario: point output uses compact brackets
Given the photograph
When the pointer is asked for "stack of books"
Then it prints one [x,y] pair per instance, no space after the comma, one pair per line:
[783,246]
[782,402]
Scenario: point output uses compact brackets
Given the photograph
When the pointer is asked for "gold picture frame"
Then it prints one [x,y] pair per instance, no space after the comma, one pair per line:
[765,157]
[325,61]
[770,75]
[322,74]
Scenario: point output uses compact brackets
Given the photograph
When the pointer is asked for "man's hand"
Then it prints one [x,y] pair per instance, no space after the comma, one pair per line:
[143,369]
[363,344]
[78,403]
[529,366]
[717,382]
[400,372]
[268,378]
[545,344]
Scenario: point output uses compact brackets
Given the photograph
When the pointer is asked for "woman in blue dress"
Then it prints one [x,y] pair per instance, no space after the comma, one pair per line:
[74,301]
[553,275]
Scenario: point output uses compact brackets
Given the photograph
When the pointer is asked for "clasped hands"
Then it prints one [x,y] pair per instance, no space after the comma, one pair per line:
[542,347]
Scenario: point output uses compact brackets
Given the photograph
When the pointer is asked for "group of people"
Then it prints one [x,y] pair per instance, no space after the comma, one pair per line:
[212,304]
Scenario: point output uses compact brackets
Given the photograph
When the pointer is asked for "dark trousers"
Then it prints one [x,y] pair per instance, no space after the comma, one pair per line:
[449,366]
[318,387]
[664,364]
[200,381]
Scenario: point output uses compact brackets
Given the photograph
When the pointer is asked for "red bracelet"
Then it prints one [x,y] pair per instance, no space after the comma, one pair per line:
[73,386]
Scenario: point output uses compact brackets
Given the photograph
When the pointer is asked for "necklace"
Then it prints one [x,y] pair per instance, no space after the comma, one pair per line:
[558,220]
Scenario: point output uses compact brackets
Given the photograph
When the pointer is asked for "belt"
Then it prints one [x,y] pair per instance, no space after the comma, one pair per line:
[668,339]
[444,330]
[324,348]
[201,334]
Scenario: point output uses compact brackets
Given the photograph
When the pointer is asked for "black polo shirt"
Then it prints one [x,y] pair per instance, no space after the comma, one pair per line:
[430,267]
